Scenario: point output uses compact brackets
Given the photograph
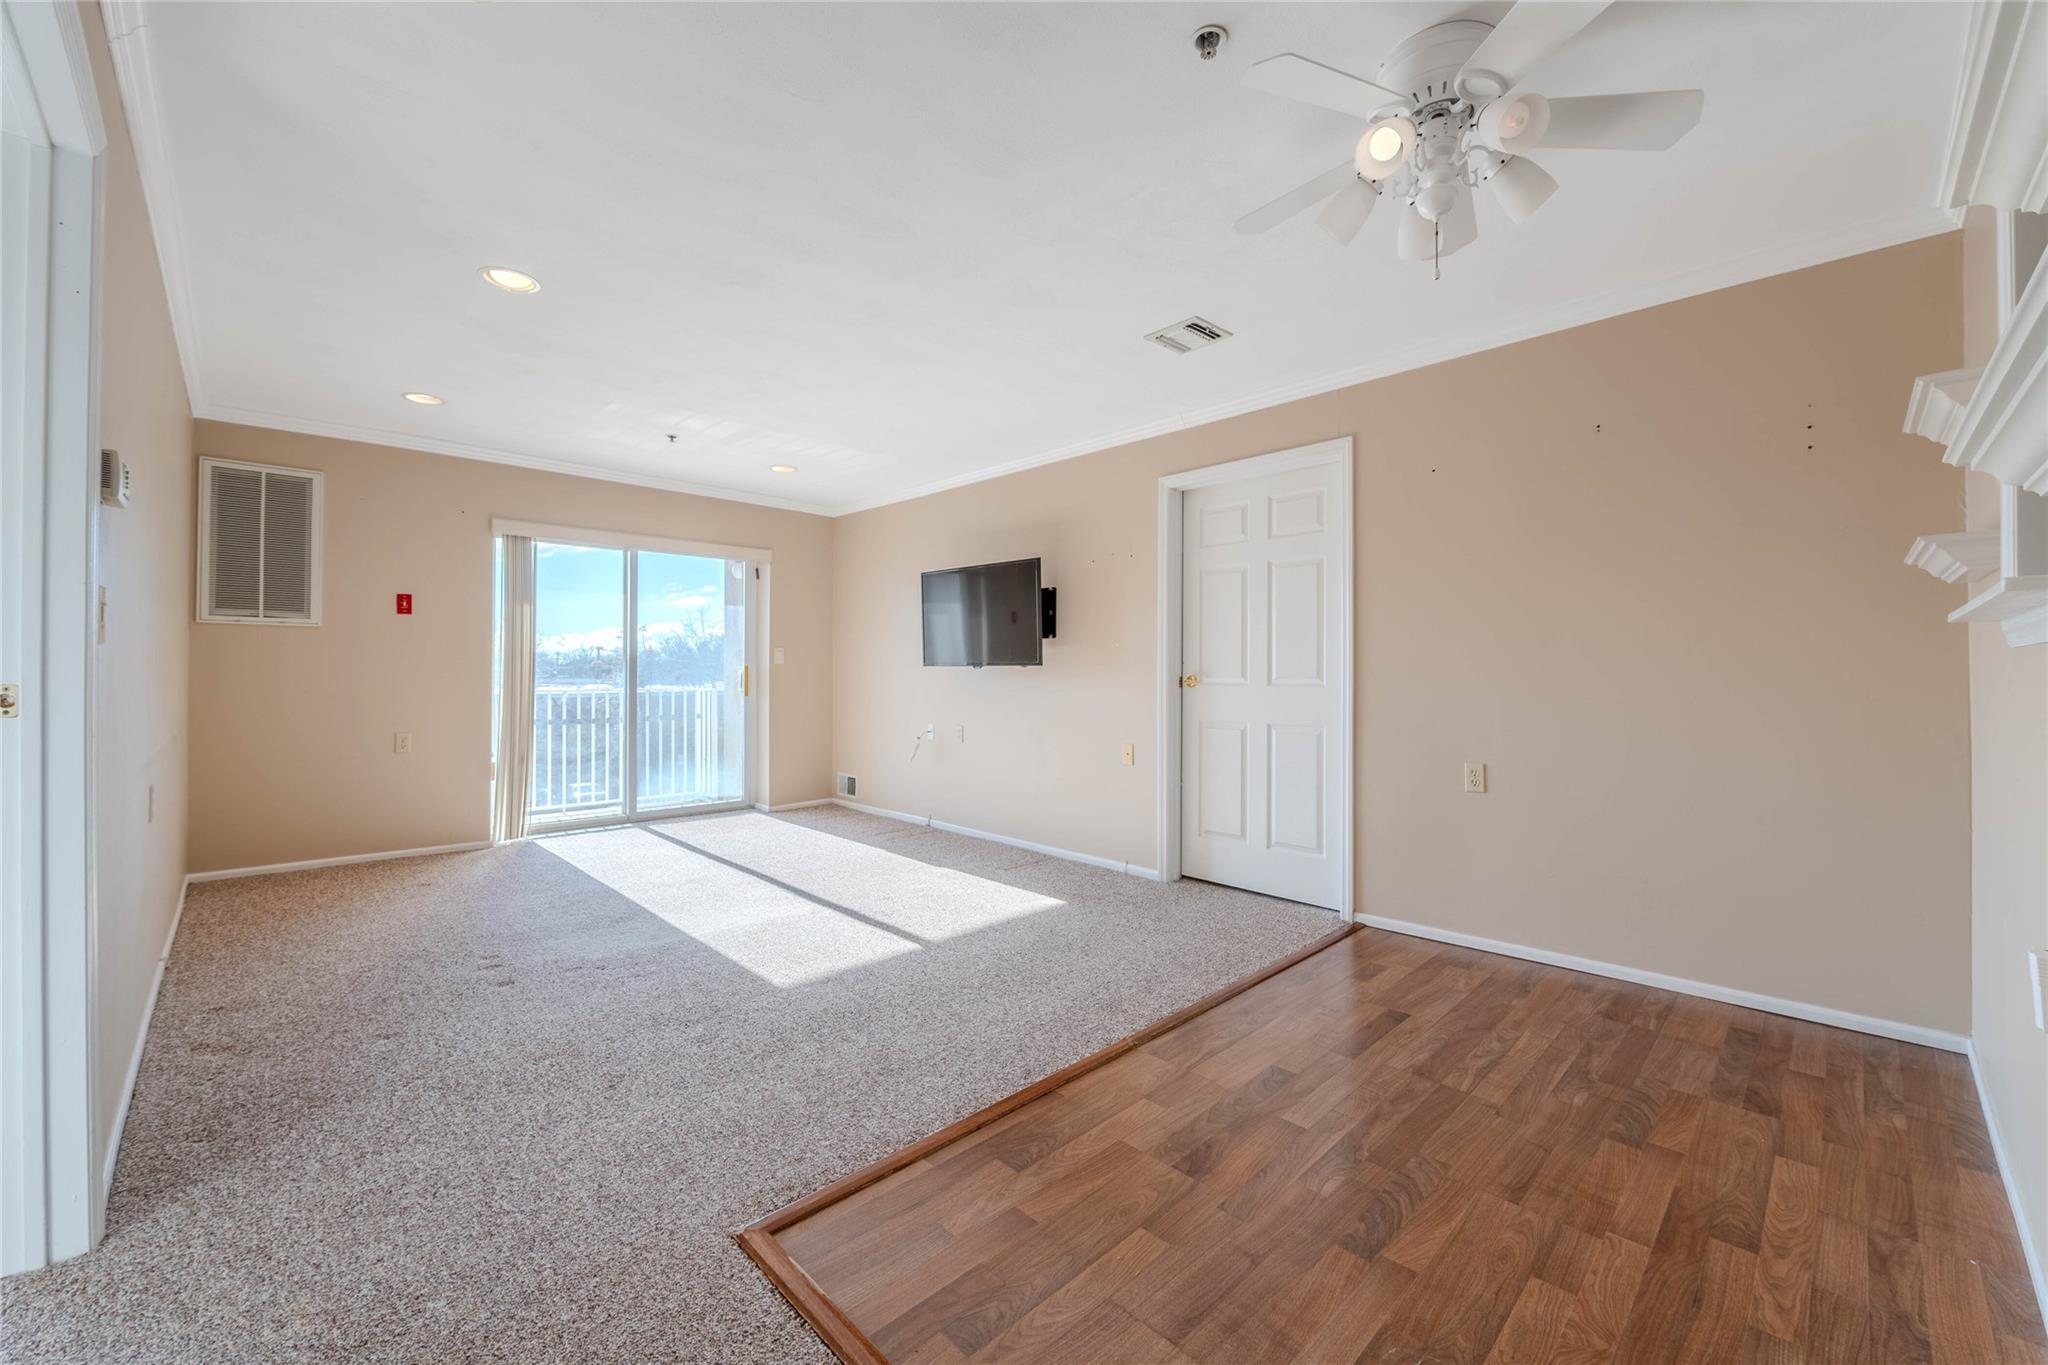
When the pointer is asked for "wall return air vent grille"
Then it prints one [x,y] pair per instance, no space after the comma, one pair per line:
[259,544]
[1191,335]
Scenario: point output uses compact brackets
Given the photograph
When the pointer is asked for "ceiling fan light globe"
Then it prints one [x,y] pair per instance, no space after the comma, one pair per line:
[1514,125]
[1520,188]
[1385,148]
[1437,200]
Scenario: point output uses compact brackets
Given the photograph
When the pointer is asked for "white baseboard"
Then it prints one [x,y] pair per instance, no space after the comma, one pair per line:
[1769,1004]
[767,809]
[156,982]
[1110,864]
[226,872]
[2012,1194]
[882,811]
[1068,854]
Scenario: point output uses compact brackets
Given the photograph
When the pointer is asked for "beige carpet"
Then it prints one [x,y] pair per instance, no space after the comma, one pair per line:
[510,1105]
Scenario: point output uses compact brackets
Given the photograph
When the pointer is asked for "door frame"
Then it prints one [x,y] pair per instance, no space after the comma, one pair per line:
[1172,488]
[52,1203]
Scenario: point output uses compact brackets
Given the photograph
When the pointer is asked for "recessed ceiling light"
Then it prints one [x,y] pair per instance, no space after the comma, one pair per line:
[782,469]
[427,399]
[511,281]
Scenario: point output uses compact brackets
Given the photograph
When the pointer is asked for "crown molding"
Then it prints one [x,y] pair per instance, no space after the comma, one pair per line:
[343,431]
[1832,246]
[2019,605]
[128,40]
[128,29]
[1956,555]
[1778,260]
[2001,432]
[1998,141]
[1938,403]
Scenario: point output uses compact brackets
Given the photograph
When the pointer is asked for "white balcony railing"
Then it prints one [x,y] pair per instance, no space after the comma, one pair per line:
[579,745]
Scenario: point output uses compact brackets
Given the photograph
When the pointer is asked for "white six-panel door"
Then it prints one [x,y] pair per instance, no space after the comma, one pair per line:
[1262,684]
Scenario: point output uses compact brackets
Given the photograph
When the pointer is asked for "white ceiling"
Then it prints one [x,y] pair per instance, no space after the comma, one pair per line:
[905,246]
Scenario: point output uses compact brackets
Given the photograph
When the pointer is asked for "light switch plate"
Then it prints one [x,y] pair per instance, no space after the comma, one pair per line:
[1130,754]
[1475,778]
[401,743]
[2037,973]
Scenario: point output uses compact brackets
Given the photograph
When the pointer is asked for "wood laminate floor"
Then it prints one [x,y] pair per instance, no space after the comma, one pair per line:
[1397,1151]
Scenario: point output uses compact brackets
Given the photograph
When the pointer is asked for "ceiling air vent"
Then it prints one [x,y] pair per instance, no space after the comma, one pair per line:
[1191,335]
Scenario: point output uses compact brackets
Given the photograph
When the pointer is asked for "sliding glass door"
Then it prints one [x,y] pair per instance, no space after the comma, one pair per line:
[690,680]
[640,683]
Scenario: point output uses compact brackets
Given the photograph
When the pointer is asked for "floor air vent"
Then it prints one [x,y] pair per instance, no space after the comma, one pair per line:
[1191,335]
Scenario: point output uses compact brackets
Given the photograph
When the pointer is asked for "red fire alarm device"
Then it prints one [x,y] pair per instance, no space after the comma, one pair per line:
[405,604]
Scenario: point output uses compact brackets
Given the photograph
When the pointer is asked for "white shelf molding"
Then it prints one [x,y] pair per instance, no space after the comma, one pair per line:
[2028,628]
[2004,431]
[1939,402]
[2020,605]
[1998,141]
[1956,555]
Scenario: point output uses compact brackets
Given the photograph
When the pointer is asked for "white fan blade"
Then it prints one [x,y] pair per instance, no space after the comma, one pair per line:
[1347,211]
[1459,228]
[1646,122]
[1416,238]
[1298,199]
[1531,31]
[1297,78]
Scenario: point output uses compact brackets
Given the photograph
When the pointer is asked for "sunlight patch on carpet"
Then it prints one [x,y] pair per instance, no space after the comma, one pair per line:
[792,906]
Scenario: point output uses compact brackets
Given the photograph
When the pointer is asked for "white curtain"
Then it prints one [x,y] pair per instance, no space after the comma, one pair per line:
[515,698]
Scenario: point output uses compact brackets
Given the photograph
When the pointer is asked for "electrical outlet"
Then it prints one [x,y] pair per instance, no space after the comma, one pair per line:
[778,654]
[962,736]
[401,743]
[1130,754]
[1475,778]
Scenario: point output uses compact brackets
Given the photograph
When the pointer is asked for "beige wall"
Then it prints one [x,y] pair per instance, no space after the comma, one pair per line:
[145,567]
[292,728]
[2009,831]
[1648,570]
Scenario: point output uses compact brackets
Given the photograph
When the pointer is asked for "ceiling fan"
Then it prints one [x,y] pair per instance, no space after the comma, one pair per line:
[1447,114]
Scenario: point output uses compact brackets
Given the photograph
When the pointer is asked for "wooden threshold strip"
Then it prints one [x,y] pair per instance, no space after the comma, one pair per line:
[826,1318]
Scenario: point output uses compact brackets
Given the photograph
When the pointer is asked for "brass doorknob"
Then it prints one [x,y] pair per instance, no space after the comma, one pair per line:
[1191,680]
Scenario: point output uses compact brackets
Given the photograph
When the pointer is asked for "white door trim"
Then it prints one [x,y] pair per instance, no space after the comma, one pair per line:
[51,1199]
[1171,488]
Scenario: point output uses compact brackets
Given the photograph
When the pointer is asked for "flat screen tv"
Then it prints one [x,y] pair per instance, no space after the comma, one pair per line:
[982,615]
